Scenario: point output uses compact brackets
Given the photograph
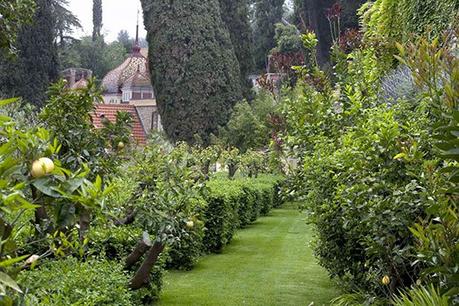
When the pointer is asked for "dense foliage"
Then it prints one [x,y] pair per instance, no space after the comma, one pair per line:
[371,175]
[267,14]
[386,22]
[12,17]
[70,282]
[194,68]
[233,204]
[37,55]
[250,124]
[235,15]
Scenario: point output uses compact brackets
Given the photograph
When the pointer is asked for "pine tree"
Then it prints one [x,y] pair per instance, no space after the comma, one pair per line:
[37,59]
[267,14]
[235,14]
[193,65]
[96,19]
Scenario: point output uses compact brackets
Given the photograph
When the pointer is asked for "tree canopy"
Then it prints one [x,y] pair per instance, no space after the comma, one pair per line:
[193,65]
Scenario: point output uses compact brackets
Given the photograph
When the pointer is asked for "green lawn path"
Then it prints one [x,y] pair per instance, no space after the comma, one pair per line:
[268,263]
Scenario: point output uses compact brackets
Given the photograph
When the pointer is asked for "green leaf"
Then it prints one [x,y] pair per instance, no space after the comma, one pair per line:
[43,185]
[8,101]
[400,156]
[8,281]
[12,261]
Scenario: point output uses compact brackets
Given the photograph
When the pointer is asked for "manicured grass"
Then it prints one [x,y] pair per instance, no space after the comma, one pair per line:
[268,263]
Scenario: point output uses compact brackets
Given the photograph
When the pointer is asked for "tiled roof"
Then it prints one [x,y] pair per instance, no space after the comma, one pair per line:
[109,112]
[115,79]
[138,79]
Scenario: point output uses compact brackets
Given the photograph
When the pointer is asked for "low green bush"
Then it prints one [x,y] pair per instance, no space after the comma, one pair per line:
[236,203]
[114,242]
[184,253]
[71,282]
[222,216]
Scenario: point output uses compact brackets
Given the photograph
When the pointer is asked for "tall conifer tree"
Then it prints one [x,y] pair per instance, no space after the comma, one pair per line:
[235,14]
[267,14]
[194,68]
[96,19]
[38,59]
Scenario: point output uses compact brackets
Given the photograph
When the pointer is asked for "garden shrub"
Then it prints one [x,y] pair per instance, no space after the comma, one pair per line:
[71,282]
[249,210]
[370,170]
[388,21]
[222,217]
[184,253]
[236,203]
[114,242]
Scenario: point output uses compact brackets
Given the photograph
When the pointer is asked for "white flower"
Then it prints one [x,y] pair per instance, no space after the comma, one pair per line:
[32,259]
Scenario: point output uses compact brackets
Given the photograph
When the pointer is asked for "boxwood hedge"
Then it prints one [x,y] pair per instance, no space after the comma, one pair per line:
[236,203]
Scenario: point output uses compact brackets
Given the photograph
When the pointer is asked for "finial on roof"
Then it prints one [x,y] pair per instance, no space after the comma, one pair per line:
[136,46]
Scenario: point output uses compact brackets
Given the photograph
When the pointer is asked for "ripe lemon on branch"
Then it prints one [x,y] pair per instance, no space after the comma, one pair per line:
[41,167]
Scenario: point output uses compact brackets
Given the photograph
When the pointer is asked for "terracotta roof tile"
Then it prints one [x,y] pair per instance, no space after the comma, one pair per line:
[109,111]
[112,82]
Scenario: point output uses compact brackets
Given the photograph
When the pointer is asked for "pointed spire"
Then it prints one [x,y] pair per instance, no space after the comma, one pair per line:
[137,29]
[136,47]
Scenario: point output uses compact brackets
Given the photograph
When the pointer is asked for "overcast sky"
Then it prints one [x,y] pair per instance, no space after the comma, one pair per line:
[118,15]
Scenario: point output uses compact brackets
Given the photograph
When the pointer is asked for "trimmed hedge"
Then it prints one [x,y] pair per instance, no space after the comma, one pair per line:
[113,242]
[72,282]
[116,243]
[184,254]
[237,203]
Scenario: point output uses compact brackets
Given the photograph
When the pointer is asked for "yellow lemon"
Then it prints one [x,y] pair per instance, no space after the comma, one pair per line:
[385,280]
[190,224]
[41,167]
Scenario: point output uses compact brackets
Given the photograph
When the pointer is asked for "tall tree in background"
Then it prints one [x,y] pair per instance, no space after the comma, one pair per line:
[13,17]
[125,40]
[300,15]
[235,14]
[193,65]
[66,21]
[267,14]
[96,19]
[316,13]
[93,58]
[37,59]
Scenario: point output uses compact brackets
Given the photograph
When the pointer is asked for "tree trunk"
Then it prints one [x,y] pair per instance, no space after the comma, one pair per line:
[85,219]
[319,24]
[232,168]
[140,249]
[40,215]
[141,277]
[206,168]
[129,219]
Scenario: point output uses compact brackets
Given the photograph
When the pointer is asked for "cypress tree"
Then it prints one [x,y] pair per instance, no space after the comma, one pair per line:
[193,66]
[96,19]
[38,58]
[267,14]
[235,14]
